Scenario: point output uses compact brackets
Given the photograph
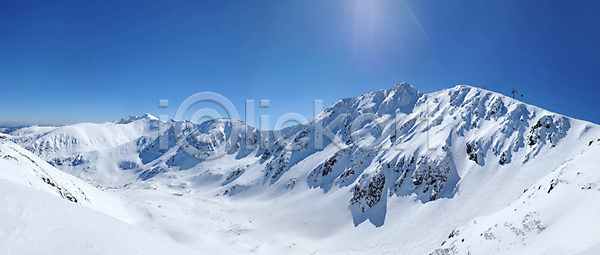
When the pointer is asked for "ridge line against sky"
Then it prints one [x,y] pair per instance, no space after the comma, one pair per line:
[69,62]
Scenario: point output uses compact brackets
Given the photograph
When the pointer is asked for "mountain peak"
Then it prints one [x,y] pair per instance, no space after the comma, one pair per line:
[149,116]
[402,96]
[402,86]
[132,118]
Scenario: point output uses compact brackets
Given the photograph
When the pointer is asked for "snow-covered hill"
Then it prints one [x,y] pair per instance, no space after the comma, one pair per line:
[92,152]
[22,167]
[44,210]
[416,166]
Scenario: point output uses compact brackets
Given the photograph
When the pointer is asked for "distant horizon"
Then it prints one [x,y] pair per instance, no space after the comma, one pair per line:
[17,125]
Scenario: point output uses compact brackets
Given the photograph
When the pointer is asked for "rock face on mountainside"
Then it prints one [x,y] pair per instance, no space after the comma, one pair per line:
[395,142]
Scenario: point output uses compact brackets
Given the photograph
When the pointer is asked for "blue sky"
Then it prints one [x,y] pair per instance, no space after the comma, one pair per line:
[94,61]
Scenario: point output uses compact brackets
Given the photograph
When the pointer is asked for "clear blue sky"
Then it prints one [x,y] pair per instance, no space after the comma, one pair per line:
[94,61]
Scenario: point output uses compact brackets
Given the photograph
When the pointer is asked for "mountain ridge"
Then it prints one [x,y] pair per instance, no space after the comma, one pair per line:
[414,114]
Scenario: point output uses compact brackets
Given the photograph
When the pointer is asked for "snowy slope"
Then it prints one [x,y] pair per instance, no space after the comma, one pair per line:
[556,215]
[44,210]
[23,167]
[35,222]
[416,166]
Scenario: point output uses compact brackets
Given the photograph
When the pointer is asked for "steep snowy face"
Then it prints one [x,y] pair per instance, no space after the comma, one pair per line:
[390,143]
[555,215]
[22,167]
[41,207]
[37,174]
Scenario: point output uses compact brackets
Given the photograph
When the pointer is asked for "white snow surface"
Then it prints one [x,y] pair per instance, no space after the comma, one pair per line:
[46,211]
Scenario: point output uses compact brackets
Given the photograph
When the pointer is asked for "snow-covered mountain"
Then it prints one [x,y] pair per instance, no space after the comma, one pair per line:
[416,166]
